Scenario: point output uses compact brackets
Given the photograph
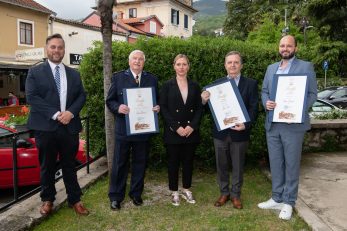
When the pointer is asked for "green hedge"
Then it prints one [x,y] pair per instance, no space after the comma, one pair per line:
[207,64]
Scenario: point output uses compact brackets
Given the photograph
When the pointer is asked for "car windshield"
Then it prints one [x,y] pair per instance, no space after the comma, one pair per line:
[324,93]
[320,106]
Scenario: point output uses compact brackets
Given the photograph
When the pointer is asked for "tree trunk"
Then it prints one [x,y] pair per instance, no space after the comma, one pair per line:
[105,9]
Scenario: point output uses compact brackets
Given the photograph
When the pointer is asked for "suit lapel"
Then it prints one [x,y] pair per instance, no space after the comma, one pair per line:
[293,66]
[130,78]
[189,96]
[241,83]
[49,74]
[68,83]
[144,79]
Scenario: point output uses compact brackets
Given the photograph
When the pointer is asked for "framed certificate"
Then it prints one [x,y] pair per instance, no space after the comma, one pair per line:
[226,104]
[289,92]
[140,119]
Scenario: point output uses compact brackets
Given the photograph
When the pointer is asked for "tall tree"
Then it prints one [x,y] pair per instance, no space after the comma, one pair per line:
[105,9]
[331,17]
[238,23]
[244,16]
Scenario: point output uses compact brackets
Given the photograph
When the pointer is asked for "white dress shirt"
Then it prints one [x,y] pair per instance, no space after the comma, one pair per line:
[63,86]
[139,75]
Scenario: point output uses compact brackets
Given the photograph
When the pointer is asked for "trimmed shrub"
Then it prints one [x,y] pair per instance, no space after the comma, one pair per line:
[206,57]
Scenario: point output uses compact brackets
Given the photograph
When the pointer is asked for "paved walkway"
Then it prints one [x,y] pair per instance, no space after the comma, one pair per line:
[25,214]
[323,191]
[322,201]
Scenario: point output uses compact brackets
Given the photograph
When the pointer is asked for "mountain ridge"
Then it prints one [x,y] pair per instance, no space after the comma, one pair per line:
[210,7]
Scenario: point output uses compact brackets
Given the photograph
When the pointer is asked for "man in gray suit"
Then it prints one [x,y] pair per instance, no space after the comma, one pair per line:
[285,140]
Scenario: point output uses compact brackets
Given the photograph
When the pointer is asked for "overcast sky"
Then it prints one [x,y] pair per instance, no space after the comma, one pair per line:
[69,9]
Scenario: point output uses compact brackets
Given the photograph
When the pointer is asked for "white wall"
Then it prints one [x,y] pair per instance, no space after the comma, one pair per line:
[162,9]
[80,42]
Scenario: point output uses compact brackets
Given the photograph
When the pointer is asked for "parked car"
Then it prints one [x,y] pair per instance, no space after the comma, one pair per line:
[320,107]
[27,159]
[335,95]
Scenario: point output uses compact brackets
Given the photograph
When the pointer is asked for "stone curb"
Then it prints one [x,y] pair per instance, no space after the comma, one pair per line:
[304,211]
[25,214]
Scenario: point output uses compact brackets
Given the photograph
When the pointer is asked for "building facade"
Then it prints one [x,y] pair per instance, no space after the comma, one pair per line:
[79,38]
[176,15]
[24,30]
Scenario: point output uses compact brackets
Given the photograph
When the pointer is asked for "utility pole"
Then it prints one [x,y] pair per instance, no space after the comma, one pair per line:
[285,30]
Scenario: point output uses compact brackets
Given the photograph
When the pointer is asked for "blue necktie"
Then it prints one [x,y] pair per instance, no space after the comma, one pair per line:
[57,78]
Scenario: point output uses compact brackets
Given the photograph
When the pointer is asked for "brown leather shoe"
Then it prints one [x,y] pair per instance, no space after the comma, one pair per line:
[237,204]
[221,200]
[46,208]
[80,209]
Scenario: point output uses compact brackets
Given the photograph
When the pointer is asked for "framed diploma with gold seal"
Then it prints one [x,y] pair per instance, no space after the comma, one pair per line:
[140,119]
[226,104]
[289,91]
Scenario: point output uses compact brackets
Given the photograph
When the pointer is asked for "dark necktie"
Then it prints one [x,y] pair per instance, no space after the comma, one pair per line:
[57,78]
[137,80]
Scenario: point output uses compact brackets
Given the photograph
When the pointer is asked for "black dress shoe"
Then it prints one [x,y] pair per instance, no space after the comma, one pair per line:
[137,200]
[115,205]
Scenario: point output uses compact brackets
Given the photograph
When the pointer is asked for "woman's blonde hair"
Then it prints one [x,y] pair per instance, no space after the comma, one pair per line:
[180,56]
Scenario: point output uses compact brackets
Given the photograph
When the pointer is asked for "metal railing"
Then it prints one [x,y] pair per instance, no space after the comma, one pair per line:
[14,136]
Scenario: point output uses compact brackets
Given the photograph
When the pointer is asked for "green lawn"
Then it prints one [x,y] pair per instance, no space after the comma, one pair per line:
[157,213]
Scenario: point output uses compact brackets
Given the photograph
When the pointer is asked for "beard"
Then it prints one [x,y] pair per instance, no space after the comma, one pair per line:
[289,56]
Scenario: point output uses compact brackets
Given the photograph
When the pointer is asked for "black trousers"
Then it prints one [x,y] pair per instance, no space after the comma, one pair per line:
[49,144]
[120,168]
[177,154]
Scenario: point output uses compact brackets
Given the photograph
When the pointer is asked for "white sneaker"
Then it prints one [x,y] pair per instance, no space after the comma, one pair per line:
[286,212]
[270,204]
[175,199]
[188,196]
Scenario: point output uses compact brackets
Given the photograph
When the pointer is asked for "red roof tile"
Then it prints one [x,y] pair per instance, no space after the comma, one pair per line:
[128,27]
[30,4]
[140,20]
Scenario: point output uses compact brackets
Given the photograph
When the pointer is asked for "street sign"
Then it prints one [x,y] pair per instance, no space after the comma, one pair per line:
[325,68]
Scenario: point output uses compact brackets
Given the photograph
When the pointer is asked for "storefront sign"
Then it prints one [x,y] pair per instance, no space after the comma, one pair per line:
[75,59]
[30,54]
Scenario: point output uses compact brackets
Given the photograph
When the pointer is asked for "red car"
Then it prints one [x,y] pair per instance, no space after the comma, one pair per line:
[27,159]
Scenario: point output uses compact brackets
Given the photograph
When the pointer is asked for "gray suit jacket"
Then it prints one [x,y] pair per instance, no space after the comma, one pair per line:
[300,67]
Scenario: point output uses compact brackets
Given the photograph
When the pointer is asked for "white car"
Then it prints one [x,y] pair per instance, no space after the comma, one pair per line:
[321,107]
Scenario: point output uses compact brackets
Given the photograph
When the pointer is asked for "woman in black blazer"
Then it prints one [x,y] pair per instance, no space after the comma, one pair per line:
[181,108]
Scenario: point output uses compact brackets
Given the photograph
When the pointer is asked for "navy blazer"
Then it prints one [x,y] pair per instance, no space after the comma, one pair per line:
[300,67]
[177,114]
[249,92]
[43,97]
[122,80]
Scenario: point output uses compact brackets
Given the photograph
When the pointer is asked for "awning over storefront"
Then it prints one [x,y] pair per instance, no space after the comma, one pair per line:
[5,64]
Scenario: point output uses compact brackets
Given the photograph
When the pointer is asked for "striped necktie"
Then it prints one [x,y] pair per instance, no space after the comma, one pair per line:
[57,78]
[137,80]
